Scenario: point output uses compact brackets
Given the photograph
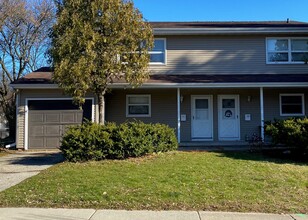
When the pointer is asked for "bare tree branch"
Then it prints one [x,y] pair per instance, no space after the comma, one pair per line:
[24,33]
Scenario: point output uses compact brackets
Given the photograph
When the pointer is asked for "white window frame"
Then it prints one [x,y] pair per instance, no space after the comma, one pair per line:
[160,52]
[289,50]
[138,115]
[292,94]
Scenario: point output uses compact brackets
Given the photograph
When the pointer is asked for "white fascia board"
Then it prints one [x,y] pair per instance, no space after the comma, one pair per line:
[34,86]
[193,31]
[210,85]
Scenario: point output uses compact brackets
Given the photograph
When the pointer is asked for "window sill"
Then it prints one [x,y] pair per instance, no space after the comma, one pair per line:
[138,116]
[292,115]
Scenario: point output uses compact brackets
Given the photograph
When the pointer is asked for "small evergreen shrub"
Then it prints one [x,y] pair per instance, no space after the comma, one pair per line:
[91,141]
[292,132]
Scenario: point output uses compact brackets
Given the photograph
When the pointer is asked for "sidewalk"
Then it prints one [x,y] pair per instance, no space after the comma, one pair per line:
[91,214]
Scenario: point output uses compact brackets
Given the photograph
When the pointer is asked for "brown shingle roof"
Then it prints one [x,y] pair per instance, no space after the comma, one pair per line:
[44,76]
[229,24]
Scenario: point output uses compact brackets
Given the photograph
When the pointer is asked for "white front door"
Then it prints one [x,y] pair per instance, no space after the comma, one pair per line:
[228,117]
[202,117]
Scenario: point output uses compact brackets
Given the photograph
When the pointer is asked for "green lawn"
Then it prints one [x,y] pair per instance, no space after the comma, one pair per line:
[179,180]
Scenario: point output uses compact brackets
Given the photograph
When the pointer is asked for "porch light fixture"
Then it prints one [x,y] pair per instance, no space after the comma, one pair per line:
[182,99]
[249,98]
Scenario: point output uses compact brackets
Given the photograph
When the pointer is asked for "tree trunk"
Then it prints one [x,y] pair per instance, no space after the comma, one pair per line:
[101,108]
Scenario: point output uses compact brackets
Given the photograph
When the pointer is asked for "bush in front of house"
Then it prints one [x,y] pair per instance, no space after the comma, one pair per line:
[292,132]
[91,141]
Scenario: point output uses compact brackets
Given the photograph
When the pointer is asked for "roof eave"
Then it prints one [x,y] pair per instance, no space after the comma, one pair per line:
[213,85]
[179,85]
[34,86]
[209,31]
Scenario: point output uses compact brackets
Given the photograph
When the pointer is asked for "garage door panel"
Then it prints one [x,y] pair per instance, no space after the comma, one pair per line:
[36,142]
[52,117]
[68,117]
[52,142]
[37,130]
[53,130]
[36,117]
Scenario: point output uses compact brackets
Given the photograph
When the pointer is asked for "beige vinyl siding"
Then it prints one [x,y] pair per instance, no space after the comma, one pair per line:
[37,93]
[272,105]
[163,106]
[220,55]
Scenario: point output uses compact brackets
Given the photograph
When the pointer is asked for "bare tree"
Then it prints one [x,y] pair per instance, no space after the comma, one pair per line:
[24,38]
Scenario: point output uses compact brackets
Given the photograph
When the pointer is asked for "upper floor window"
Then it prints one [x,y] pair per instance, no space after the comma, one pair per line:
[287,50]
[158,53]
[292,105]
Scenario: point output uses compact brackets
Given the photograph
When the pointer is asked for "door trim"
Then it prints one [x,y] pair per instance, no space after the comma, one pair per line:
[210,98]
[219,98]
[26,128]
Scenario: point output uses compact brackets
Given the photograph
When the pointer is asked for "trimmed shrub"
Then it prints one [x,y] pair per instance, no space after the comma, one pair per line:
[292,132]
[91,141]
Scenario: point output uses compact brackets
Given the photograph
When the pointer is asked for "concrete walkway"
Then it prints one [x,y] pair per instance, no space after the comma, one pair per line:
[19,166]
[91,214]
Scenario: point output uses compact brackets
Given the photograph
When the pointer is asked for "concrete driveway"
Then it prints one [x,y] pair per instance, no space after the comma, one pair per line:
[19,166]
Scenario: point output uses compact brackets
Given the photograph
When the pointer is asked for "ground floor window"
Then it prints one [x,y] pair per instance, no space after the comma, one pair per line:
[292,105]
[138,105]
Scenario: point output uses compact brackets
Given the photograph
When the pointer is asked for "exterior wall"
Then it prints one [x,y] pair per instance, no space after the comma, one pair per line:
[221,55]
[36,93]
[163,106]
[246,127]
[272,105]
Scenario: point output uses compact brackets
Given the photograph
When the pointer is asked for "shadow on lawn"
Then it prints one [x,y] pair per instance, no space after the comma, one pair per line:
[295,157]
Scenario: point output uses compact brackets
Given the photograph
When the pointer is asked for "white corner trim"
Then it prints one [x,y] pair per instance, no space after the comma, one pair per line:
[26,125]
[179,113]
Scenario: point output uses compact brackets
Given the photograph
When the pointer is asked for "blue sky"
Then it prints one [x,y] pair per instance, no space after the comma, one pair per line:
[223,10]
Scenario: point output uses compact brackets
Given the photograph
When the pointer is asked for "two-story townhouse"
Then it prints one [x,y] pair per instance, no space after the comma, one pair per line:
[211,81]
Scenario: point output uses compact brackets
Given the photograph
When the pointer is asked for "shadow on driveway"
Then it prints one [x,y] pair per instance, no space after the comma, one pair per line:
[37,159]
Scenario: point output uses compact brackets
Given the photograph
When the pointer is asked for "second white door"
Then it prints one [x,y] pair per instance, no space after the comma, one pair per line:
[228,117]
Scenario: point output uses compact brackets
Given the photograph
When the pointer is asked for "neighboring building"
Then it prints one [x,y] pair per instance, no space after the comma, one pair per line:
[211,81]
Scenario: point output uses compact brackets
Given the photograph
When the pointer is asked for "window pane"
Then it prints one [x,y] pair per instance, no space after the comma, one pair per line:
[291,109]
[228,103]
[202,104]
[138,110]
[138,100]
[278,57]
[300,44]
[291,104]
[157,58]
[300,57]
[277,45]
[159,45]
[291,99]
